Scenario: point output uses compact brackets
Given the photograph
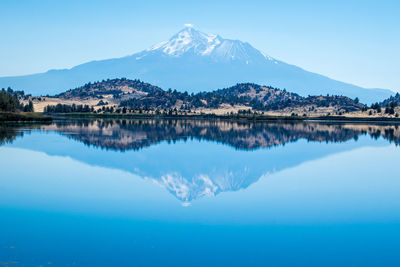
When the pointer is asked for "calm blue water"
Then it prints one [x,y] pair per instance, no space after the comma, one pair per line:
[199,193]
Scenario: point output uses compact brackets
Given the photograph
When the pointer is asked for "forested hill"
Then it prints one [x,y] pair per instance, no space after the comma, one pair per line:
[115,87]
[135,94]
[254,93]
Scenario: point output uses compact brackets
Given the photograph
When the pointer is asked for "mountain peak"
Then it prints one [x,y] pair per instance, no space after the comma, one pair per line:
[190,41]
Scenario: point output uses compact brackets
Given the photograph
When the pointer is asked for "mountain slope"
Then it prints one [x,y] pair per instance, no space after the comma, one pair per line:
[195,61]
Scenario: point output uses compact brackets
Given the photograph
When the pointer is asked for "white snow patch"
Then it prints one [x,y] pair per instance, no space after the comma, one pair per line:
[267,56]
[157,46]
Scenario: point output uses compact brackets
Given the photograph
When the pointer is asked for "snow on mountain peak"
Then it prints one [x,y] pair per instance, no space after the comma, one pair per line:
[190,40]
[186,40]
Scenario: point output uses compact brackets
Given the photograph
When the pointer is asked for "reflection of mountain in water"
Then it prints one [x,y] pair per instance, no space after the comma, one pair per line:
[136,134]
[191,169]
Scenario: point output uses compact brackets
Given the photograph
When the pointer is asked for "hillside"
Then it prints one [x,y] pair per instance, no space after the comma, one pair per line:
[138,95]
[254,93]
[393,100]
[194,61]
[116,88]
[249,95]
[336,103]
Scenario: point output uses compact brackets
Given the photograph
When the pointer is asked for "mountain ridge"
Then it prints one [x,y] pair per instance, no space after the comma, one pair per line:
[194,61]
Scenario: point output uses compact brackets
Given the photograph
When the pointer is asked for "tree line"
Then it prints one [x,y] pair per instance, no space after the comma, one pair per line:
[10,101]
[63,108]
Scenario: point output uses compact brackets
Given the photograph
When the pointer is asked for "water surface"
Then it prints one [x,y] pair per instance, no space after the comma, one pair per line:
[199,193]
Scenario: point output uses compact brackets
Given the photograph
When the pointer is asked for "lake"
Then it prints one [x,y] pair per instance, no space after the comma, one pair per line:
[199,193]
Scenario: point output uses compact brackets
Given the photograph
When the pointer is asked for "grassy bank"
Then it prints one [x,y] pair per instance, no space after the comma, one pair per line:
[24,116]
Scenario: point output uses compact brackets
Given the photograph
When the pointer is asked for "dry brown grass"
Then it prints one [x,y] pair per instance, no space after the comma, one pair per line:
[45,101]
[222,110]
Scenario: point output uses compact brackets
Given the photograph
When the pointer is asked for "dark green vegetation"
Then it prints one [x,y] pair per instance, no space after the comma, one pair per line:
[12,109]
[346,104]
[25,116]
[60,108]
[116,87]
[10,101]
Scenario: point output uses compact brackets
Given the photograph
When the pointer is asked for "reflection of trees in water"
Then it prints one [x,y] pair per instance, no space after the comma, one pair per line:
[136,134]
[8,134]
[197,180]
[10,131]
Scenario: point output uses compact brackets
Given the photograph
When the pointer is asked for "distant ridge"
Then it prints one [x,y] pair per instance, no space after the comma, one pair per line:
[194,61]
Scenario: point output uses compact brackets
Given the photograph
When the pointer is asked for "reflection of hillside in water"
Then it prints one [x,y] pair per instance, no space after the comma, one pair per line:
[136,134]
[213,169]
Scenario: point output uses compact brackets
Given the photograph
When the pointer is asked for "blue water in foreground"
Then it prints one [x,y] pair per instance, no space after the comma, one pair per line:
[76,196]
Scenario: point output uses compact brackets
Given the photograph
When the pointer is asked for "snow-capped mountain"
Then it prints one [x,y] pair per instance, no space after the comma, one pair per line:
[188,40]
[192,42]
[195,61]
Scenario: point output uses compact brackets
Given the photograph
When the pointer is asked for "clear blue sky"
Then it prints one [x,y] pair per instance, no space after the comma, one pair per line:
[352,41]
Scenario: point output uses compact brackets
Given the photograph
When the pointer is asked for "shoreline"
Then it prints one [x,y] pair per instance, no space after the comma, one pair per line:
[241,117]
[48,117]
[24,117]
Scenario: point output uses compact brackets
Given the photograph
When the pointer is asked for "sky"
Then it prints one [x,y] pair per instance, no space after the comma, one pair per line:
[352,41]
